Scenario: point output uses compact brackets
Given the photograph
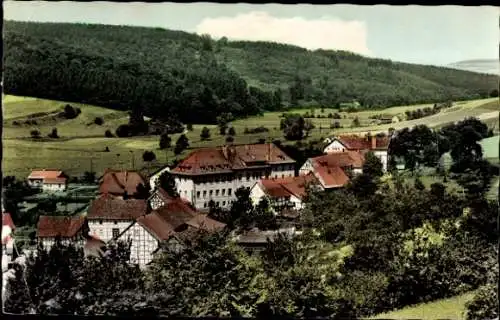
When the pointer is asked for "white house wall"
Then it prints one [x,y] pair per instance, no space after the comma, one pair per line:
[256,193]
[335,146]
[382,155]
[52,187]
[154,178]
[103,229]
[306,168]
[143,244]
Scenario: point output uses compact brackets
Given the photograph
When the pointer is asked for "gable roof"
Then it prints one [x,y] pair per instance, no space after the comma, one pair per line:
[354,142]
[57,226]
[156,225]
[48,176]
[118,182]
[110,208]
[332,177]
[229,158]
[285,187]
[176,213]
[340,159]
[203,222]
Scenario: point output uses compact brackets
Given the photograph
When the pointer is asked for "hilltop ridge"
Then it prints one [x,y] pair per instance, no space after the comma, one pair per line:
[163,73]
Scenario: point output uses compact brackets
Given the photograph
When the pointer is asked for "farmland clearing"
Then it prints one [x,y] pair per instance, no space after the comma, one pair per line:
[82,144]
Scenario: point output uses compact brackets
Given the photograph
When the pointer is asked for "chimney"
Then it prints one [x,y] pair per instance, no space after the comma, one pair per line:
[374,142]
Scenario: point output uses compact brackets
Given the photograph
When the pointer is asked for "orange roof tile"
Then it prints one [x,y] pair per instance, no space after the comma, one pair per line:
[229,158]
[203,222]
[7,221]
[48,176]
[332,177]
[119,182]
[59,226]
[284,187]
[157,226]
[340,159]
[353,142]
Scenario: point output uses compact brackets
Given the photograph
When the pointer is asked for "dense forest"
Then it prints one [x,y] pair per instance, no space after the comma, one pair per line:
[172,73]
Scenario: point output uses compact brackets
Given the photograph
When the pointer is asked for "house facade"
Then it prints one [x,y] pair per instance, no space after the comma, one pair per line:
[123,184]
[68,229]
[377,145]
[153,179]
[216,173]
[8,228]
[333,170]
[48,180]
[109,216]
[283,194]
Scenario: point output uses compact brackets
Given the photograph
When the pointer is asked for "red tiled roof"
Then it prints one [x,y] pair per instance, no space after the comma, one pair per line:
[284,187]
[119,182]
[203,222]
[54,226]
[340,159]
[110,208]
[228,158]
[156,225]
[48,176]
[353,142]
[332,177]
[176,213]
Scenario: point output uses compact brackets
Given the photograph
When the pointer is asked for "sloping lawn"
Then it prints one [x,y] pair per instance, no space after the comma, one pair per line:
[451,308]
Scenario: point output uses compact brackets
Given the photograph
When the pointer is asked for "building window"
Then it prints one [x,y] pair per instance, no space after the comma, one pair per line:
[218,203]
[210,192]
[185,193]
[198,194]
[223,203]
[204,193]
[229,192]
[204,204]
[217,192]
[116,222]
[115,232]
[223,192]
[100,221]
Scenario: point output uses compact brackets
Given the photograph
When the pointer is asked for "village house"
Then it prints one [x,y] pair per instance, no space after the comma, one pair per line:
[333,170]
[113,219]
[216,173]
[284,194]
[160,197]
[48,180]
[153,179]
[109,216]
[377,145]
[256,240]
[67,229]
[124,184]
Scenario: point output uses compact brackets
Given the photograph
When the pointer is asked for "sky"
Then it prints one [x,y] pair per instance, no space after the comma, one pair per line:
[437,35]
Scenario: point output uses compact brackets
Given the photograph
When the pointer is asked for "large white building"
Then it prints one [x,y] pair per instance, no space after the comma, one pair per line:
[377,145]
[216,173]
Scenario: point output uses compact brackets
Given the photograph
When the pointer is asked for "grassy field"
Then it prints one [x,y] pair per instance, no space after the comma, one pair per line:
[491,148]
[81,144]
[451,308]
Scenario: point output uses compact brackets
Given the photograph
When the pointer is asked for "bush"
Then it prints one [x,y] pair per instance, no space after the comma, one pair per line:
[106,149]
[99,121]
[70,112]
[108,134]
[148,156]
[260,129]
[335,125]
[205,133]
[189,127]
[35,134]
[231,131]
[484,305]
[54,134]
[261,141]
[16,123]
[229,139]
[165,141]
[123,131]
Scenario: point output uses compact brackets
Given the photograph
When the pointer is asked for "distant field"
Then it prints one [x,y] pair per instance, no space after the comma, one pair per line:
[451,308]
[491,148]
[81,140]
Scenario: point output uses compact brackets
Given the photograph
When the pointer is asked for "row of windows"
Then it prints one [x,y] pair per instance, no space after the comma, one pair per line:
[222,192]
[218,203]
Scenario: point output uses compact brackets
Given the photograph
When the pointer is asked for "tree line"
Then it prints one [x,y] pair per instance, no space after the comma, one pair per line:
[193,78]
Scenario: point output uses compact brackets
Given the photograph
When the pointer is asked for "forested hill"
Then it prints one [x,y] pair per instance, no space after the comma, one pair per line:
[166,73]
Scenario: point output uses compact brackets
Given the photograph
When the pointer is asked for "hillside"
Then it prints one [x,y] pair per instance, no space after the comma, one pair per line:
[490,66]
[165,73]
